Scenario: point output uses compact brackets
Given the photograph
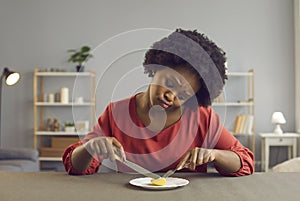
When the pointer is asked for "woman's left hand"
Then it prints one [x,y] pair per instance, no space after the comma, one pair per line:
[195,157]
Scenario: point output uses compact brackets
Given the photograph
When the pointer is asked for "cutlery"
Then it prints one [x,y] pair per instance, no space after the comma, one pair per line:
[169,173]
[138,168]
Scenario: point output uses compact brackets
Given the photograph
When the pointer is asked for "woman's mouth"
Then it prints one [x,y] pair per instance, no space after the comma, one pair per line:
[163,104]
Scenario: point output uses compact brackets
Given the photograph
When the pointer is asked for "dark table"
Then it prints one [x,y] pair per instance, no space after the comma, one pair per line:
[52,186]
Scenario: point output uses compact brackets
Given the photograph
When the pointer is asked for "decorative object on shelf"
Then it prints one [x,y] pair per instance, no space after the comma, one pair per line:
[48,125]
[55,126]
[57,97]
[64,95]
[10,78]
[79,100]
[82,126]
[51,98]
[69,127]
[80,57]
[277,119]
[43,97]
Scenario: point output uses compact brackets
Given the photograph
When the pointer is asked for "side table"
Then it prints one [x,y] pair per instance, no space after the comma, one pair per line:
[272,139]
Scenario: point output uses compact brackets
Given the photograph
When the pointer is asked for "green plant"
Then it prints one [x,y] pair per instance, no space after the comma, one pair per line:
[69,124]
[80,56]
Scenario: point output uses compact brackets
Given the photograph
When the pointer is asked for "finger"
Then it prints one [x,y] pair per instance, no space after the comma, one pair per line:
[103,148]
[207,156]
[194,158]
[120,150]
[183,161]
[187,164]
[122,154]
[118,153]
[96,148]
[200,157]
[115,142]
[110,149]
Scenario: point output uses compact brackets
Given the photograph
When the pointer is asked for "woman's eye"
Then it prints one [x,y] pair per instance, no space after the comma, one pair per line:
[181,97]
[169,84]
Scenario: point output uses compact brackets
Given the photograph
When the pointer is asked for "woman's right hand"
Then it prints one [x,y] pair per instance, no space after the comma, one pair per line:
[106,147]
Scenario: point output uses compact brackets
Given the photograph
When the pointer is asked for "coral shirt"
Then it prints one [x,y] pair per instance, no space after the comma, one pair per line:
[162,150]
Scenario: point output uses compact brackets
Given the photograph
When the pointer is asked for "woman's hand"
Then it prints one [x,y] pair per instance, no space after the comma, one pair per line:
[106,147]
[195,157]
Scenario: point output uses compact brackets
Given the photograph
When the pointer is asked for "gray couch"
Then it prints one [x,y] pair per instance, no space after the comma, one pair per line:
[13,159]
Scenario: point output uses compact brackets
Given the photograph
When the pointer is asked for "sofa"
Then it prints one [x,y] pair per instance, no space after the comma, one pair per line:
[291,165]
[19,160]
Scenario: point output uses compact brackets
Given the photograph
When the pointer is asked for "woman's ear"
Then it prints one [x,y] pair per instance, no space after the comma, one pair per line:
[153,72]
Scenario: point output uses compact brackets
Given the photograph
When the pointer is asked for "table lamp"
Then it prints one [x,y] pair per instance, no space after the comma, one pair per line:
[10,78]
[277,119]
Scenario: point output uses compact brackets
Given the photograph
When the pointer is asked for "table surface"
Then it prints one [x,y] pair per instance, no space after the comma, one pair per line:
[44,186]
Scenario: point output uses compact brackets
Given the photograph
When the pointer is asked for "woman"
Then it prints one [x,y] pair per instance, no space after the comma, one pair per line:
[171,125]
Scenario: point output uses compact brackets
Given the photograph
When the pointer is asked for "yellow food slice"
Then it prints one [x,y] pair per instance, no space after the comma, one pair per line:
[159,182]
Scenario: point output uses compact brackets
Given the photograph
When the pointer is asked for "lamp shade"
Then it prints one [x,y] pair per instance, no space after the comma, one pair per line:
[278,118]
[10,77]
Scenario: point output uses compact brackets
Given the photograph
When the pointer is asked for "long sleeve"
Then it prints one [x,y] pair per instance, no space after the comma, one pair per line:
[226,141]
[100,129]
[245,155]
[93,167]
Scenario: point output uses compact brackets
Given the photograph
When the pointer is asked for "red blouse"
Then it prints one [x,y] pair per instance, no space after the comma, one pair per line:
[161,151]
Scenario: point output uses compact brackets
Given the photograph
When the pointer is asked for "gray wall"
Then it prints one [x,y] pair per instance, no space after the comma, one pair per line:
[36,34]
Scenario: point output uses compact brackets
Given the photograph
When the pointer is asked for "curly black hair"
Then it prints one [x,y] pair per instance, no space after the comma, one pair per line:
[194,51]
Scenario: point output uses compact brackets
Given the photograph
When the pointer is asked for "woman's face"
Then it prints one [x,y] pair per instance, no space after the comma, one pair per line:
[171,88]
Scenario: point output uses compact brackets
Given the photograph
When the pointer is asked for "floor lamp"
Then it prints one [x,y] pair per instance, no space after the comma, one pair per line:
[10,78]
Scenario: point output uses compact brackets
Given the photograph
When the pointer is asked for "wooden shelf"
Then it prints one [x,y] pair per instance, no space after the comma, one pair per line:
[65,74]
[233,104]
[60,133]
[64,104]
[43,80]
[250,73]
[50,158]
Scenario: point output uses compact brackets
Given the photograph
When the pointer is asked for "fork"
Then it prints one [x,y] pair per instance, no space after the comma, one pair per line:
[169,173]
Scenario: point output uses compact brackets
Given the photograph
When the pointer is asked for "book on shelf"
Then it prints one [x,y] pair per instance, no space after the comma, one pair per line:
[243,124]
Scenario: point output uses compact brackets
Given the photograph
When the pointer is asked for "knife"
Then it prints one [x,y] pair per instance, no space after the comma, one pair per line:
[137,168]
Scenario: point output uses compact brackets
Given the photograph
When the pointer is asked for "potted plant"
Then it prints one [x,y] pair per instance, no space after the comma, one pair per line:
[69,127]
[80,57]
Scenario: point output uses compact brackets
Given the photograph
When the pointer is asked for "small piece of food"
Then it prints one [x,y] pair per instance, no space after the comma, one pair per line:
[159,182]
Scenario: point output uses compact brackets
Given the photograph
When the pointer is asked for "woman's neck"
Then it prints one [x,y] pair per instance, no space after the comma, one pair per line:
[156,118]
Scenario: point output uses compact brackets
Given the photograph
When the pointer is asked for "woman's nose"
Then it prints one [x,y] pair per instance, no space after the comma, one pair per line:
[169,96]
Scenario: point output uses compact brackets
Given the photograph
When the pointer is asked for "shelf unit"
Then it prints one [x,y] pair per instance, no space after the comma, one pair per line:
[247,103]
[39,107]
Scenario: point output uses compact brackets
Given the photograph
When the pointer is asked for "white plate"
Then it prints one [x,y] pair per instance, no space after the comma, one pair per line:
[172,182]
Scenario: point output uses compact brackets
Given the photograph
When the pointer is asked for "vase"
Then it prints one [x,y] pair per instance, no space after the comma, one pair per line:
[69,128]
[80,68]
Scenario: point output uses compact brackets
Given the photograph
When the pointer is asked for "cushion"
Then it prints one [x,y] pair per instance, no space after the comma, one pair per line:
[19,159]
[292,165]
